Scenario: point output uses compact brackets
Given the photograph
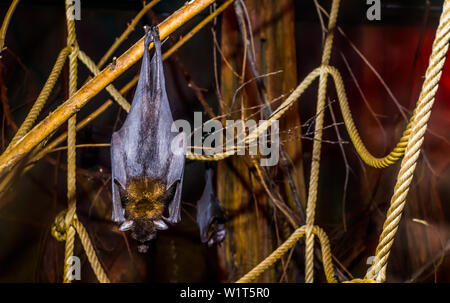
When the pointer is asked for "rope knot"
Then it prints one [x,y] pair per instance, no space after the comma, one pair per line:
[309,230]
[325,69]
[74,48]
[60,227]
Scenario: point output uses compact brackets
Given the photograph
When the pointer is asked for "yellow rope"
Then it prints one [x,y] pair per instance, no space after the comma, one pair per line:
[61,232]
[68,253]
[410,147]
[117,96]
[412,152]
[42,98]
[6,21]
[361,149]
[366,156]
[71,151]
[90,252]
[283,248]
[66,224]
[315,165]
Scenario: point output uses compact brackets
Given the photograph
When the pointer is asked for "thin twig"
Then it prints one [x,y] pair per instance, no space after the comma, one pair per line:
[126,33]
[347,169]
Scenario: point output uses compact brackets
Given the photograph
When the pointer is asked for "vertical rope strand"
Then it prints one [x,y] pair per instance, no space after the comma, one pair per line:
[90,252]
[71,142]
[412,152]
[315,165]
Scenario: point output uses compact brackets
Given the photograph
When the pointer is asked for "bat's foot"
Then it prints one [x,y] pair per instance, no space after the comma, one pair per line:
[151,35]
[155,32]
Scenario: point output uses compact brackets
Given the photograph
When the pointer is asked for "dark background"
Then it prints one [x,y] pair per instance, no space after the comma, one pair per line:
[398,47]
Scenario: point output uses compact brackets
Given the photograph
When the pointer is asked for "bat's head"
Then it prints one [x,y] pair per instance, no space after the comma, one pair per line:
[145,201]
[216,232]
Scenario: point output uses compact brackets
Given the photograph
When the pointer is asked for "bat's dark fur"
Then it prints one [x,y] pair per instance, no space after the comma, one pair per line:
[147,172]
[210,214]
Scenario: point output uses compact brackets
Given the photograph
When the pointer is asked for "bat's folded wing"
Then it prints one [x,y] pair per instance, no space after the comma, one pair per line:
[118,176]
[175,175]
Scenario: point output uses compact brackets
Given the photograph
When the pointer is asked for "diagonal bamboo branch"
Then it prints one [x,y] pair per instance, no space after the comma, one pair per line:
[94,86]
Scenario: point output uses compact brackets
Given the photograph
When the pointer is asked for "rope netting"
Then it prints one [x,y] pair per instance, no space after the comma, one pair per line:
[67,225]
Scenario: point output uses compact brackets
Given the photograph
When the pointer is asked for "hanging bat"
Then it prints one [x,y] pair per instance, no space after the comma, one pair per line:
[147,158]
[210,214]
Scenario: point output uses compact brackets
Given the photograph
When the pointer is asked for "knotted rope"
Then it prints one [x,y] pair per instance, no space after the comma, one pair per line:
[66,224]
[60,231]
